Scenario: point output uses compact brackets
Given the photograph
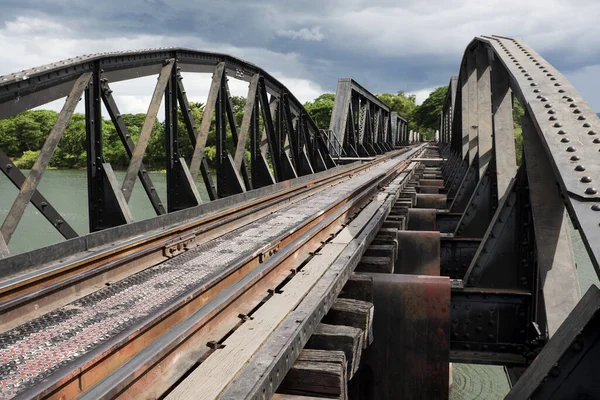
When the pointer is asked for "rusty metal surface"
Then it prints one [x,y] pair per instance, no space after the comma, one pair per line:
[409,357]
[418,253]
[421,219]
[32,352]
[438,201]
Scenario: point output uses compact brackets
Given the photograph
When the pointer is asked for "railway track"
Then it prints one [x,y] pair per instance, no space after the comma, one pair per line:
[145,316]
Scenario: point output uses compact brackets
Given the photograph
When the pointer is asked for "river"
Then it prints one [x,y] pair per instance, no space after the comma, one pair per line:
[67,191]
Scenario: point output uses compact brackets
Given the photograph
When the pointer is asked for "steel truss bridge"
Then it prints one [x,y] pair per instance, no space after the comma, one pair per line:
[355,262]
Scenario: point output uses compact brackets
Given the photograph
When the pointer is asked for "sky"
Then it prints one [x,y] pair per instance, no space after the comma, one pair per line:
[387,46]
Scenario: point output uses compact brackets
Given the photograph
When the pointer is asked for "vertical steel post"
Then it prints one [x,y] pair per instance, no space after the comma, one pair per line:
[181,190]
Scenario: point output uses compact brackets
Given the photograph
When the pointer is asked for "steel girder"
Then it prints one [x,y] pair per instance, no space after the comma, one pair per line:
[362,124]
[283,140]
[510,252]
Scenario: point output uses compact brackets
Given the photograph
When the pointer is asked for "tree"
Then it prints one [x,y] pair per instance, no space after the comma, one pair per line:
[402,104]
[320,109]
[427,115]
[518,113]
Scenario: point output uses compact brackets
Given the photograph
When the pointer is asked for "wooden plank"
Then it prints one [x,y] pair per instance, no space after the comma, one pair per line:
[357,224]
[317,373]
[339,337]
[384,265]
[278,396]
[356,313]
[382,250]
[358,287]
[212,376]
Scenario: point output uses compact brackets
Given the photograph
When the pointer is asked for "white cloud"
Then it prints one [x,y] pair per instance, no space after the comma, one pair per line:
[313,34]
[35,42]
[421,95]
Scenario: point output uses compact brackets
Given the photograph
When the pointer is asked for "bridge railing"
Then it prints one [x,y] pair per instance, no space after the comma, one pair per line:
[282,139]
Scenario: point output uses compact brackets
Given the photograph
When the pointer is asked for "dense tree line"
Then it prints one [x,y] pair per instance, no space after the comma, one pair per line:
[424,118]
[23,135]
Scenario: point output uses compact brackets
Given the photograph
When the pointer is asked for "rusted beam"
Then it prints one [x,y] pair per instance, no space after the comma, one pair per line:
[246,120]
[29,187]
[144,138]
[209,110]
[410,355]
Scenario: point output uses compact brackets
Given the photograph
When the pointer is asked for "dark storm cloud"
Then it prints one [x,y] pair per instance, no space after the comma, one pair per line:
[386,45]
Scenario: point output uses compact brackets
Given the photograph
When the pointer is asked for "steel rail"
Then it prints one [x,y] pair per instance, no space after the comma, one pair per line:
[33,289]
[88,369]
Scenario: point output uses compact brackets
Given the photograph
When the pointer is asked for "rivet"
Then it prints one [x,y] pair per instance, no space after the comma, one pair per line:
[571,149]
[581,117]
[572,105]
[596,141]
[552,118]
[561,132]
[561,90]
[592,132]
[553,78]
[574,158]
[570,99]
[551,111]
[577,111]
[545,70]
[557,125]
[527,75]
[580,168]
[565,140]
[586,179]
[586,125]
[591,190]
[548,105]
[557,84]
[542,98]
[536,90]
[530,78]
[596,207]
[533,84]
[548,74]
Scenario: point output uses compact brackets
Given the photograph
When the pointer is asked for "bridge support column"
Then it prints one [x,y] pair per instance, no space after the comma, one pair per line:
[409,357]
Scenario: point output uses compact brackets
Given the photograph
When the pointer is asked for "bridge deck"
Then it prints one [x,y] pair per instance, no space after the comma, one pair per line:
[66,338]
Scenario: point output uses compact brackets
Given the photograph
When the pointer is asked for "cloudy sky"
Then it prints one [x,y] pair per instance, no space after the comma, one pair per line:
[385,45]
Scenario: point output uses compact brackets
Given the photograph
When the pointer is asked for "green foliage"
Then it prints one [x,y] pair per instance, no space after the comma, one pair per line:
[518,113]
[320,109]
[27,160]
[427,115]
[25,131]
[23,135]
[403,104]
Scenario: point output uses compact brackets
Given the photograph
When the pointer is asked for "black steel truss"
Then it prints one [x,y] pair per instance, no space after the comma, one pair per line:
[362,125]
[515,219]
[283,140]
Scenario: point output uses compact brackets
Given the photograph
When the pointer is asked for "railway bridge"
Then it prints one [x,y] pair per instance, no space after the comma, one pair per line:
[356,262]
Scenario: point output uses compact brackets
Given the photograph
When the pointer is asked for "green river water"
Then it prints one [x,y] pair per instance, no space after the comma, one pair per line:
[67,191]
